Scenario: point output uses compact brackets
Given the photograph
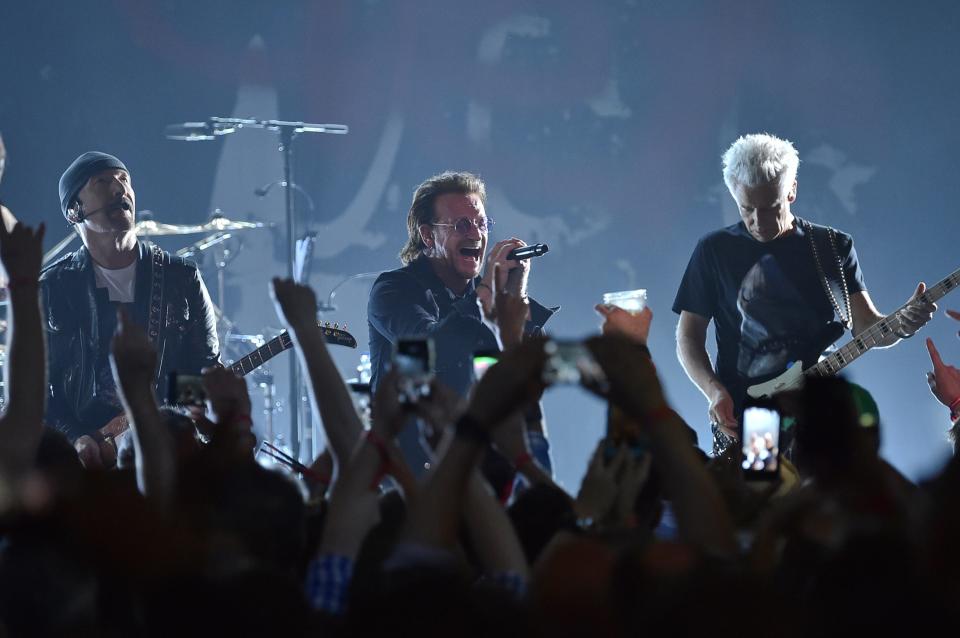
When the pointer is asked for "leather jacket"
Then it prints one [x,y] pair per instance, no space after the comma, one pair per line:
[186,343]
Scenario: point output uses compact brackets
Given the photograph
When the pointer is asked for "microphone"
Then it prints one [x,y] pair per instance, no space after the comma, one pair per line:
[526,252]
[124,204]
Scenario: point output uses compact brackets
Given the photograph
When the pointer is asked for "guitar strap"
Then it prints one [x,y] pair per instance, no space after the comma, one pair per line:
[823,245]
[156,295]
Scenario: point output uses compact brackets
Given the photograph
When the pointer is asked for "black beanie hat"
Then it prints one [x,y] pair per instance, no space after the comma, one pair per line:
[82,169]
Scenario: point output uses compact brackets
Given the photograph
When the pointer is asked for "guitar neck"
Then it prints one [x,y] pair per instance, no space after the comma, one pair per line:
[878,332]
[246,365]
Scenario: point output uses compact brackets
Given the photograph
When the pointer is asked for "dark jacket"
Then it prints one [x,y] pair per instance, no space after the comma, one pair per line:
[187,341]
[413,302]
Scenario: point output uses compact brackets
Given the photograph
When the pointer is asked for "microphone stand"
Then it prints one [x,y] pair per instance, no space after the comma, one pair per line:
[288,131]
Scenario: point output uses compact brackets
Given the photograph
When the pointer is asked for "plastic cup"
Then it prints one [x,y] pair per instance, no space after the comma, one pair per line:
[632,301]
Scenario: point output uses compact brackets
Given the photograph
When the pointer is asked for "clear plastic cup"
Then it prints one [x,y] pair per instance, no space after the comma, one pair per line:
[632,301]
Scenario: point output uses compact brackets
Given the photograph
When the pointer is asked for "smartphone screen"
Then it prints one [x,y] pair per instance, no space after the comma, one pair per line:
[760,441]
[413,360]
[482,361]
[570,362]
[183,389]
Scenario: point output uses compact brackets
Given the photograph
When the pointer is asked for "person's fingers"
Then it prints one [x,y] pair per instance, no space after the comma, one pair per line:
[953,314]
[41,231]
[602,309]
[932,381]
[623,453]
[921,288]
[934,354]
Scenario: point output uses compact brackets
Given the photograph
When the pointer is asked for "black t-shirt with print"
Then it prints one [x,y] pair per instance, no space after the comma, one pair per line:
[766,299]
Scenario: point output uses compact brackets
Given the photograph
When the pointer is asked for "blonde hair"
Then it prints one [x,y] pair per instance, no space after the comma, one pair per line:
[758,159]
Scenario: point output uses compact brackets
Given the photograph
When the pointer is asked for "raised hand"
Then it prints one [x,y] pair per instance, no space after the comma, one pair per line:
[616,320]
[21,251]
[227,394]
[133,357]
[511,311]
[944,380]
[442,408]
[512,383]
[388,415]
[296,304]
[598,490]
[631,376]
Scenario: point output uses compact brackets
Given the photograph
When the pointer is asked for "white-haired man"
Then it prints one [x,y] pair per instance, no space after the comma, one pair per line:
[772,284]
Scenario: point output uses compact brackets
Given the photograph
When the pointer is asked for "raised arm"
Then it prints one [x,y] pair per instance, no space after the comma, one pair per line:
[134,363]
[297,306]
[702,516]
[505,388]
[21,251]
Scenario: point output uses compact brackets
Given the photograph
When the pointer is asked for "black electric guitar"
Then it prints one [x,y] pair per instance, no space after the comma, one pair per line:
[333,335]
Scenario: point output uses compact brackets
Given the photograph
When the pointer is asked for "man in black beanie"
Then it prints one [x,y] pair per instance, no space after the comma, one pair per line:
[81,295]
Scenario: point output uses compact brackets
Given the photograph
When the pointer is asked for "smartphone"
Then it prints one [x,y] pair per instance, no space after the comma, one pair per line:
[482,360]
[760,441]
[185,389]
[570,362]
[413,360]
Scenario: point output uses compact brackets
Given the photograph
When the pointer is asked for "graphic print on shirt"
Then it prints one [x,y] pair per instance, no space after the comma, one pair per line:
[776,321]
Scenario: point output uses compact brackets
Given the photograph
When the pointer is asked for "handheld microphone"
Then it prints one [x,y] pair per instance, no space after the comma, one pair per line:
[526,252]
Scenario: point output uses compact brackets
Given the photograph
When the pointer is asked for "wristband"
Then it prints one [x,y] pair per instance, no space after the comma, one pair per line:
[468,428]
[954,405]
[381,446]
[522,460]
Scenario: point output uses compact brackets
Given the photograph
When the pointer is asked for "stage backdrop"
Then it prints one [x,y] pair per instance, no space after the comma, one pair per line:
[598,127]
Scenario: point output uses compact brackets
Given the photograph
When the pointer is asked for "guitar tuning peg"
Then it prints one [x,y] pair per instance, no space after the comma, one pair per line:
[326,324]
[344,326]
[336,326]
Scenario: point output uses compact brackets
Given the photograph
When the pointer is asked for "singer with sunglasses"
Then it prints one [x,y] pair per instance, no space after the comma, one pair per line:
[82,292]
[444,289]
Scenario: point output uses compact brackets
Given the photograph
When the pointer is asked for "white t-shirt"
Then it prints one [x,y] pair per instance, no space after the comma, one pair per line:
[120,283]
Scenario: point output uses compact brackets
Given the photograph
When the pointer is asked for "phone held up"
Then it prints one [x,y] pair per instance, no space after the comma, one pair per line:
[570,362]
[760,440]
[482,360]
[413,359]
[185,389]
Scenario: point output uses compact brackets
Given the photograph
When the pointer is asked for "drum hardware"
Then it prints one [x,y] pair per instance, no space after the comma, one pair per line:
[215,127]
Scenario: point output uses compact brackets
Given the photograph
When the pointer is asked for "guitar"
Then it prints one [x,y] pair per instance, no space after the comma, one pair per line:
[333,335]
[839,359]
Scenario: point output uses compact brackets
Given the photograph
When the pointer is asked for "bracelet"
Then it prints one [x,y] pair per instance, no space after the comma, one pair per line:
[381,446]
[954,412]
[522,460]
[385,464]
[468,428]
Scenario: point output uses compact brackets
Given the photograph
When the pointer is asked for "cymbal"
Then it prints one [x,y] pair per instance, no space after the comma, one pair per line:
[150,228]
